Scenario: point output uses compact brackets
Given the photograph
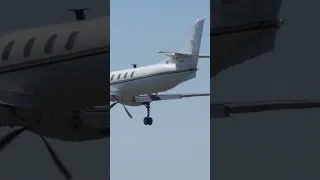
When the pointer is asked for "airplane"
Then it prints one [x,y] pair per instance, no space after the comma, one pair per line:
[52,82]
[139,86]
[247,30]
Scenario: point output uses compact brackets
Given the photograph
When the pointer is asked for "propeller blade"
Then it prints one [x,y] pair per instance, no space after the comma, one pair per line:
[9,137]
[127,111]
[56,160]
[112,105]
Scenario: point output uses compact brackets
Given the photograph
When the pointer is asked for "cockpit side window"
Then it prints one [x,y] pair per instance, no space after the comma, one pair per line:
[119,76]
[50,44]
[71,40]
[112,77]
[7,49]
[28,47]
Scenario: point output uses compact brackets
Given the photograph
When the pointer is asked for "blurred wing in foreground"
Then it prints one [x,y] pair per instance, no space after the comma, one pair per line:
[226,109]
[242,30]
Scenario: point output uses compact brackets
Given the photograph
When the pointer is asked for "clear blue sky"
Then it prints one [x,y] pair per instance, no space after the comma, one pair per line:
[177,145]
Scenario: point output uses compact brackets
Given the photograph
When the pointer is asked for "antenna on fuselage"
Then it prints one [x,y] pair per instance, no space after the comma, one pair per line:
[134,65]
[80,15]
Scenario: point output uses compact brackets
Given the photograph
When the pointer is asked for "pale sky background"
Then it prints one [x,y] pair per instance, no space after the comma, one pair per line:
[176,145]
[27,157]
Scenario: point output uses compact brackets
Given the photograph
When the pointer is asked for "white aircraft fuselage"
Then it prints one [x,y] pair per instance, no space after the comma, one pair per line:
[148,80]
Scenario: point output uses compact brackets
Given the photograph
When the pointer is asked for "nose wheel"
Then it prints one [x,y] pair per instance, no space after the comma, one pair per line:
[147,120]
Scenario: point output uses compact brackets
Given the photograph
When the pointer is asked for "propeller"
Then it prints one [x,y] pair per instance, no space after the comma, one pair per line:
[127,111]
[113,104]
[9,137]
[56,160]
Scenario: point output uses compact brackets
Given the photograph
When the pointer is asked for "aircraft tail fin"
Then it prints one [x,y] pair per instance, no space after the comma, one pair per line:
[188,56]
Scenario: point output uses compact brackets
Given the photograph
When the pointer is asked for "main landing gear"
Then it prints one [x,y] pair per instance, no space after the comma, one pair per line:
[147,120]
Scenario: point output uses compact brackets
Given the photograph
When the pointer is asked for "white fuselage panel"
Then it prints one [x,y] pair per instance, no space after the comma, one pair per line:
[148,79]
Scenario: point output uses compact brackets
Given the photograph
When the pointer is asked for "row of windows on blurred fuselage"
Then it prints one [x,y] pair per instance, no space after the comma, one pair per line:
[48,48]
[124,77]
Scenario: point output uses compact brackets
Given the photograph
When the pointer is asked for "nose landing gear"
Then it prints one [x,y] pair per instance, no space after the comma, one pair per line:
[147,120]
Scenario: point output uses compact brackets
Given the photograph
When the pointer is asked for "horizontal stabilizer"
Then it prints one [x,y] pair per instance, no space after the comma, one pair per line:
[174,54]
[204,56]
[182,55]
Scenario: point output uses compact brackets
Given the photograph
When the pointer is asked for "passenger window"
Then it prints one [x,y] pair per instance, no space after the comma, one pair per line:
[50,44]
[112,77]
[119,76]
[125,75]
[6,50]
[132,74]
[71,40]
[28,47]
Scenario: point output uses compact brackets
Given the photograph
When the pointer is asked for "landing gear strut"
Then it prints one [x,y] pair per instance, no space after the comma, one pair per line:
[147,120]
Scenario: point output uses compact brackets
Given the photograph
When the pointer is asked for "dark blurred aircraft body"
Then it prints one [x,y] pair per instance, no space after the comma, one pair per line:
[241,31]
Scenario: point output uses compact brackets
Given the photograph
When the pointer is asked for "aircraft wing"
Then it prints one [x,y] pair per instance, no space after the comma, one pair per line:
[226,109]
[242,30]
[114,96]
[150,98]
